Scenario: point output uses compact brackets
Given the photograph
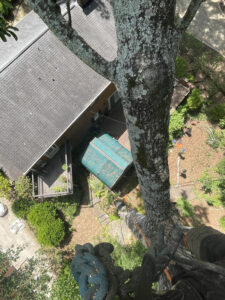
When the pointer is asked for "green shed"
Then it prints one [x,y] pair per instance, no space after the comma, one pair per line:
[107,159]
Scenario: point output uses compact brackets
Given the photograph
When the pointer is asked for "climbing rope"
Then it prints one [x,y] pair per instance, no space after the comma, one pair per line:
[90,273]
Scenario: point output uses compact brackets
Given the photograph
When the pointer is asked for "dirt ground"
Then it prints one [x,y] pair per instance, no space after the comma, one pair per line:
[86,227]
[197,157]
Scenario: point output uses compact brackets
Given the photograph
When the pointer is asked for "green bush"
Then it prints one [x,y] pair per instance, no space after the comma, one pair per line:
[65,287]
[220,167]
[222,222]
[5,186]
[49,228]
[215,138]
[41,212]
[23,187]
[5,7]
[222,123]
[176,124]
[68,205]
[21,207]
[194,101]
[51,232]
[181,67]
[185,207]
[216,113]
[127,257]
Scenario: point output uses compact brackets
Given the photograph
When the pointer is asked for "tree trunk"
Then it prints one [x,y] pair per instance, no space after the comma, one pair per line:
[146,53]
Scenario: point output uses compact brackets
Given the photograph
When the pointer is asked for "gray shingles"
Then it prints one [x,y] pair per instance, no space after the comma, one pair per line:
[46,88]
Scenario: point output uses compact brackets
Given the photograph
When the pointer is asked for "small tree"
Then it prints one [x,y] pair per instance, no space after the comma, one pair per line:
[22,283]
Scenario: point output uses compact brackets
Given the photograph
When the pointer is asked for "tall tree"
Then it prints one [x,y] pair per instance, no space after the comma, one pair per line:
[148,40]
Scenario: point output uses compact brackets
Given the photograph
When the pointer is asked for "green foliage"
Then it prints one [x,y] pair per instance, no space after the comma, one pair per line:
[41,212]
[64,167]
[220,167]
[127,257]
[207,181]
[51,232]
[215,138]
[194,101]
[21,207]
[68,205]
[22,283]
[222,123]
[23,187]
[214,187]
[113,217]
[185,207]
[49,228]
[216,113]
[24,199]
[6,30]
[222,222]
[5,186]
[65,287]
[181,67]
[59,188]
[5,7]
[176,124]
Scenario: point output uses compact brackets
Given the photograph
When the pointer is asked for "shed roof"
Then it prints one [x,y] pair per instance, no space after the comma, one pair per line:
[107,159]
[44,86]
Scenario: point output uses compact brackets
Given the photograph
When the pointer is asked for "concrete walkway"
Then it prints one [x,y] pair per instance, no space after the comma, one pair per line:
[208,25]
[24,237]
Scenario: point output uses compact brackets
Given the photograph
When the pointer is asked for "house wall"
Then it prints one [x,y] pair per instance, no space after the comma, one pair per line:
[79,129]
[77,132]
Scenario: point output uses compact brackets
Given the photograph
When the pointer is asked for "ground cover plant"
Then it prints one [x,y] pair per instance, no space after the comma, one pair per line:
[214,186]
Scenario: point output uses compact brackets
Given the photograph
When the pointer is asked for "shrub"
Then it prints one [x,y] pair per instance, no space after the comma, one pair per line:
[51,232]
[21,207]
[215,138]
[127,257]
[41,212]
[23,187]
[68,205]
[216,113]
[207,182]
[194,101]
[5,7]
[220,167]
[176,124]
[222,123]
[185,207]
[5,186]
[65,287]
[181,67]
[222,222]
[50,229]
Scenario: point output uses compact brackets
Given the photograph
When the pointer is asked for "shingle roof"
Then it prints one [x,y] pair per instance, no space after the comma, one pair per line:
[44,88]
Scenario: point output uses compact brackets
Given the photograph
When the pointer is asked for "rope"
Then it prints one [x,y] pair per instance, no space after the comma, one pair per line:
[90,273]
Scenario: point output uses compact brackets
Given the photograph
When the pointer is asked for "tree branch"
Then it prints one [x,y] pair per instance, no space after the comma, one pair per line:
[189,15]
[50,13]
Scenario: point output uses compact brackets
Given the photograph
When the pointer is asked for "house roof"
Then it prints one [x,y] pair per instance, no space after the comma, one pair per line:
[107,159]
[44,87]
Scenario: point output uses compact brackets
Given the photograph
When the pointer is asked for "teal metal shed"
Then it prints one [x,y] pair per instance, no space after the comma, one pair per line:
[107,159]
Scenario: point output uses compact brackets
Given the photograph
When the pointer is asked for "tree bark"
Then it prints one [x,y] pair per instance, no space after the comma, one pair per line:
[145,32]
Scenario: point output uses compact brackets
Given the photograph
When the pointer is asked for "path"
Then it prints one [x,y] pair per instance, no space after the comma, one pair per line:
[208,24]
[23,238]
